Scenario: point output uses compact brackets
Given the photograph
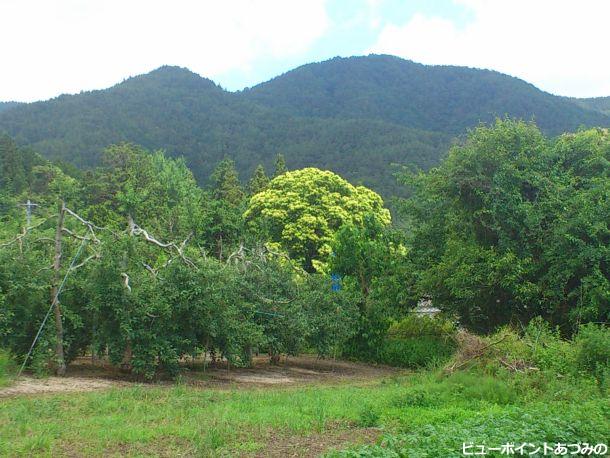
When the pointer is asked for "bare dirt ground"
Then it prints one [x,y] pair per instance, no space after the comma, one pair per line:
[299,370]
[30,385]
[86,375]
[316,444]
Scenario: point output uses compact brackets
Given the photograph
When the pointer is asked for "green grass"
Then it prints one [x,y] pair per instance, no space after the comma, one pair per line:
[421,415]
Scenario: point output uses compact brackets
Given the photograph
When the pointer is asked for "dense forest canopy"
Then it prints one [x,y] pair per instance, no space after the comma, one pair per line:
[510,226]
[438,98]
[355,116]
[7,105]
[601,104]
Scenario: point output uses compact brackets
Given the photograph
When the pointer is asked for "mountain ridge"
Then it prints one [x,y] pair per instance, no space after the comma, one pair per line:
[356,116]
[401,88]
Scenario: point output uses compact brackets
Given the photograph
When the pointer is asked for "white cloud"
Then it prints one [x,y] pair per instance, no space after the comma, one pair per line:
[560,46]
[64,46]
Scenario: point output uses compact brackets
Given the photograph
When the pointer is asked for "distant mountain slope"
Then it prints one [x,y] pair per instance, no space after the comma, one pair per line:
[356,116]
[439,98]
[177,110]
[600,104]
[7,105]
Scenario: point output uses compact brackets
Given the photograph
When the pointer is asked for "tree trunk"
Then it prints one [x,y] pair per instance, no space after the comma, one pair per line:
[59,329]
[126,362]
[274,358]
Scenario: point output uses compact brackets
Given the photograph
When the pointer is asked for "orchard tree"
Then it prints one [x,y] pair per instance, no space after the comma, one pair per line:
[301,210]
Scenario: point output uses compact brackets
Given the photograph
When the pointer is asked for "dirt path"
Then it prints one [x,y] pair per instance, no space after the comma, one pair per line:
[304,369]
[83,375]
[28,385]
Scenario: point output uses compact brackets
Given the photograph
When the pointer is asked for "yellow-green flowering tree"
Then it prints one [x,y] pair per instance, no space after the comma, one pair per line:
[301,210]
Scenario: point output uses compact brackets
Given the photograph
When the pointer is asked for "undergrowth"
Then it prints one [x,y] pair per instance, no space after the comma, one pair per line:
[7,368]
[510,387]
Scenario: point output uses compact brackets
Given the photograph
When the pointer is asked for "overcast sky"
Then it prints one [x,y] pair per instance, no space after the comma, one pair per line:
[50,47]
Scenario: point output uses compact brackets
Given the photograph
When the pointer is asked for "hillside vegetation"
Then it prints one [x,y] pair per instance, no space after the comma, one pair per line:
[356,116]
[438,98]
[600,104]
[6,105]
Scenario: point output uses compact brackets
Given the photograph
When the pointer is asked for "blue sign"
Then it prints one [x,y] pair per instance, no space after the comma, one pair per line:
[335,282]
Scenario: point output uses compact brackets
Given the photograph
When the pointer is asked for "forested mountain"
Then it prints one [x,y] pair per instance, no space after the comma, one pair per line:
[355,116]
[17,166]
[439,98]
[176,110]
[7,105]
[600,104]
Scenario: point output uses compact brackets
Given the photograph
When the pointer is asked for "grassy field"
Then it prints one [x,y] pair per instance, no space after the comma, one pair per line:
[423,414]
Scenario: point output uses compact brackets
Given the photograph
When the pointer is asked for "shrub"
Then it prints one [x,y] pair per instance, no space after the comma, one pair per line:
[414,325]
[415,352]
[372,327]
[593,350]
[7,368]
[539,347]
[548,350]
[481,387]
[418,341]
[332,316]
[416,396]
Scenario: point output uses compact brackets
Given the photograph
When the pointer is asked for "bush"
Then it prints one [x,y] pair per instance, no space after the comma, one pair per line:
[7,368]
[548,351]
[414,325]
[418,341]
[332,316]
[593,350]
[416,396]
[415,352]
[482,388]
[539,347]
[372,327]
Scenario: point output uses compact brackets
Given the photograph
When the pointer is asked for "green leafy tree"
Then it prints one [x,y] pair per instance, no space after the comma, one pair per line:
[301,211]
[513,225]
[332,316]
[223,227]
[259,180]
[279,166]
[226,183]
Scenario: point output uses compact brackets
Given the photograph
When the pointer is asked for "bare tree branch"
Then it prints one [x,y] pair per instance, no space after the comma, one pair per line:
[135,230]
[91,226]
[79,237]
[150,269]
[25,232]
[93,256]
[84,221]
